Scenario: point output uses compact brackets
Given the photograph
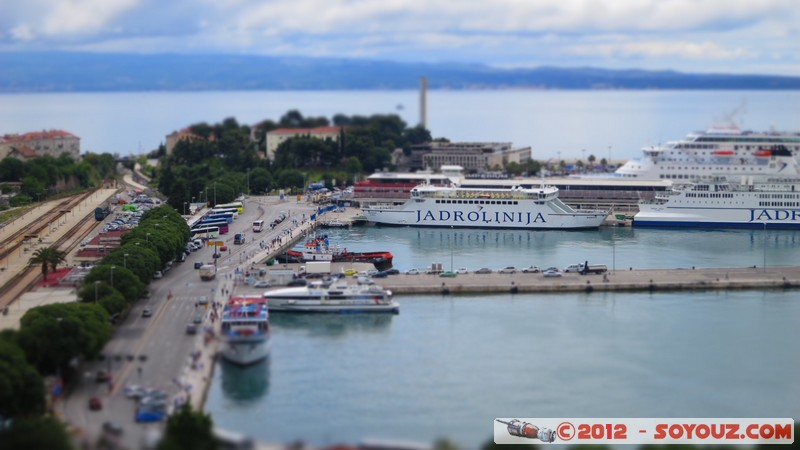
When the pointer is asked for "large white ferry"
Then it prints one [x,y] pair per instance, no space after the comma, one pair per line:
[707,155]
[335,296]
[772,203]
[484,207]
[245,330]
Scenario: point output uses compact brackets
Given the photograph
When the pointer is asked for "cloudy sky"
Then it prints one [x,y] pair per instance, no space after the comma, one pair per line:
[725,36]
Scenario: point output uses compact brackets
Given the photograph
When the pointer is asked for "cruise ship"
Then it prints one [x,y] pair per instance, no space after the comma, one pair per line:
[245,330]
[334,296]
[706,155]
[773,203]
[512,207]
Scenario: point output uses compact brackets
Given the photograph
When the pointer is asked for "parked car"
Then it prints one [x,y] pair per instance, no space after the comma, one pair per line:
[297,282]
[198,319]
[158,274]
[392,271]
[95,404]
[448,274]
[102,376]
[203,300]
[113,428]
[551,273]
[147,312]
[350,272]
[509,269]
[262,284]
[224,248]
[531,269]
[191,329]
[484,270]
[412,272]
[462,271]
[198,264]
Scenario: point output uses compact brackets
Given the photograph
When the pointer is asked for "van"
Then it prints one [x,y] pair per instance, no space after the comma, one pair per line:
[238,238]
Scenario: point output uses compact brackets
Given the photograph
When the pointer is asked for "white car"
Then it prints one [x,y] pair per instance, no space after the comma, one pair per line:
[262,284]
[462,271]
[509,269]
[550,273]
[531,269]
[412,272]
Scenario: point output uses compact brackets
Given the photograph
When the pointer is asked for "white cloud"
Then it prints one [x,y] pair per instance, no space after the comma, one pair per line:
[498,32]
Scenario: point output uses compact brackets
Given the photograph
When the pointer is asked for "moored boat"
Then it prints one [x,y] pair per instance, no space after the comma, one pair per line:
[333,296]
[245,330]
[771,203]
[485,206]
[320,249]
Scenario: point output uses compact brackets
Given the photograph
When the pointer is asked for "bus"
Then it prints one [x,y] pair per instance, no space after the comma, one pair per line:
[221,216]
[233,211]
[205,232]
[221,224]
[258,226]
[238,205]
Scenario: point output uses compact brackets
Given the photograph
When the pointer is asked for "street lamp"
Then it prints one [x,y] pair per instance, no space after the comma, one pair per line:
[95,291]
[765,245]
[215,193]
[125,260]
[184,208]
[112,275]
[248,181]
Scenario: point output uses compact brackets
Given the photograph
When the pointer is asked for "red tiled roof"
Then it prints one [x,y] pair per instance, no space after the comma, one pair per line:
[38,135]
[24,151]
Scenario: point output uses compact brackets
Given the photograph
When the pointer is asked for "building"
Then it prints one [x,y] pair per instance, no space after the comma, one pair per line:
[183,135]
[474,157]
[40,143]
[278,136]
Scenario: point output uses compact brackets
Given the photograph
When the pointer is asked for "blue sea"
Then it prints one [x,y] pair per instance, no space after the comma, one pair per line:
[566,124]
[445,367]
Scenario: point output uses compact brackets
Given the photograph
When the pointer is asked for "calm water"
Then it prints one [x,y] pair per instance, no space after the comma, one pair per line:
[446,366]
[608,124]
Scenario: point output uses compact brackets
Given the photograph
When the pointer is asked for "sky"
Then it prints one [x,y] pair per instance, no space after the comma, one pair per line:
[702,36]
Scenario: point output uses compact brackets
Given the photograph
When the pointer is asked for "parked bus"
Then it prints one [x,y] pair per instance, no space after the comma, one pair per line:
[234,211]
[238,205]
[205,232]
[221,224]
[258,226]
[228,217]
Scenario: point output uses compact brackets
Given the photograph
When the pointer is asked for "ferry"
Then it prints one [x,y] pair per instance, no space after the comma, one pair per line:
[706,155]
[332,296]
[245,330]
[749,203]
[513,207]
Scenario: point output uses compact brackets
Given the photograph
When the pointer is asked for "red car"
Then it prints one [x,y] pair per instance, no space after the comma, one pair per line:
[224,248]
[95,404]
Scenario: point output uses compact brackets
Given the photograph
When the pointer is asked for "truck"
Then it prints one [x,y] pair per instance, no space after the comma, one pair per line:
[208,272]
[586,268]
[317,268]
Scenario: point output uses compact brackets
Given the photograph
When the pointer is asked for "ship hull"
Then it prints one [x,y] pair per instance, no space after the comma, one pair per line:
[245,352]
[333,307]
[681,215]
[524,215]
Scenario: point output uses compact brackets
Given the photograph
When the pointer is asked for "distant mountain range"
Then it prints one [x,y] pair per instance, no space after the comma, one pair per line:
[87,72]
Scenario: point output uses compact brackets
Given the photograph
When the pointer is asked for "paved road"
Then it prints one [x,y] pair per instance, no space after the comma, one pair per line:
[154,351]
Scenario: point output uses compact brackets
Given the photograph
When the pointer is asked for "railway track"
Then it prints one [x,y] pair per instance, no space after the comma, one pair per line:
[26,278]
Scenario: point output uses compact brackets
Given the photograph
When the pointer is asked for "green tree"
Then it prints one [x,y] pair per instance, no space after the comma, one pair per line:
[52,335]
[189,430]
[36,434]
[117,277]
[49,258]
[22,391]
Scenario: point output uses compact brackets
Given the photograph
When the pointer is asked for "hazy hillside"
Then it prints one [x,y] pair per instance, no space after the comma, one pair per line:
[54,72]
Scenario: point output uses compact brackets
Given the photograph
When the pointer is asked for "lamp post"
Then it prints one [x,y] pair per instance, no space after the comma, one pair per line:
[112,275]
[248,181]
[125,261]
[95,291]
[215,193]
[184,208]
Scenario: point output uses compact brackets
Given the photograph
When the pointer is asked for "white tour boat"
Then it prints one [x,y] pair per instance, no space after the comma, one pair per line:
[245,330]
[335,296]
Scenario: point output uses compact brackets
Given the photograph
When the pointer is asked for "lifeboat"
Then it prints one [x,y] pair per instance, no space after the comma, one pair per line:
[764,152]
[723,152]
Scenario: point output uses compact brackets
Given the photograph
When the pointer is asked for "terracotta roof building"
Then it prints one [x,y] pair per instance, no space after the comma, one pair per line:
[40,143]
[276,137]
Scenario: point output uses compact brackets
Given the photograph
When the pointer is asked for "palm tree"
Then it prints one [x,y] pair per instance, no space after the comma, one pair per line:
[49,258]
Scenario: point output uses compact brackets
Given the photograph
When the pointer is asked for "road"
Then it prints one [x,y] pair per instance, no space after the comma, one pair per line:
[155,351]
